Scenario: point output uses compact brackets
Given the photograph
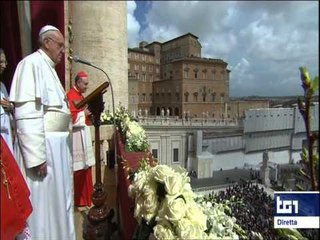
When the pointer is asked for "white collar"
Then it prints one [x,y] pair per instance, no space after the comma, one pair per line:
[47,58]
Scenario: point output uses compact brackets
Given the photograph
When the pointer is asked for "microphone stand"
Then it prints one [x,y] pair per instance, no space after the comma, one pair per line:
[97,226]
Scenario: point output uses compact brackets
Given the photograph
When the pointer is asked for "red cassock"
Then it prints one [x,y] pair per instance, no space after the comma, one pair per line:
[83,185]
[15,203]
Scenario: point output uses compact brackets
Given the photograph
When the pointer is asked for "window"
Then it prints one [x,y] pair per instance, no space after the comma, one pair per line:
[213,97]
[195,97]
[204,75]
[222,97]
[185,74]
[186,95]
[204,95]
[222,75]
[175,155]
[155,153]
[136,67]
[177,96]
[195,75]
[143,68]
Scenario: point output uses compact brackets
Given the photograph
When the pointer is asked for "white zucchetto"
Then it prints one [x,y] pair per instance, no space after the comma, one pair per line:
[48,28]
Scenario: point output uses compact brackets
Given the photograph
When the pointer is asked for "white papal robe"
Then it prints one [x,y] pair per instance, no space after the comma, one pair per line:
[43,127]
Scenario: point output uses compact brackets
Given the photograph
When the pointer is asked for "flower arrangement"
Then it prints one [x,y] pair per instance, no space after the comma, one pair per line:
[131,131]
[167,208]
[121,115]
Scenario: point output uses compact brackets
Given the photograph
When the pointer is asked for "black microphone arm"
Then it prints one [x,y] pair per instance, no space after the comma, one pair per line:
[77,59]
[83,61]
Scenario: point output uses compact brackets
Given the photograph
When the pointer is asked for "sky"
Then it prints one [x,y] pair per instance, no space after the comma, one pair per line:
[263,42]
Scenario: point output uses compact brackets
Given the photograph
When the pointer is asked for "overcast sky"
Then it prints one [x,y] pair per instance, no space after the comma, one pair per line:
[263,42]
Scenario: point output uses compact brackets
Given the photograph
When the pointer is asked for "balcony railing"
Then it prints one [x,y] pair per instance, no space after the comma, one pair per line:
[175,121]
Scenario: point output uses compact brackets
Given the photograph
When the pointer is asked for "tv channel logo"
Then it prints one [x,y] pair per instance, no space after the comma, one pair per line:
[296,209]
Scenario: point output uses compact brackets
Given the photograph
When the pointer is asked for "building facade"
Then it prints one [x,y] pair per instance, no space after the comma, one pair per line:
[173,78]
[208,146]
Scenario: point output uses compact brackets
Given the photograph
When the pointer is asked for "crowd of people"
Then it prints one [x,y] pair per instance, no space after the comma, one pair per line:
[46,146]
[254,208]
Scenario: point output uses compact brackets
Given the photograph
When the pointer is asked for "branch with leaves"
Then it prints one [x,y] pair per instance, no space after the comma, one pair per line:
[310,157]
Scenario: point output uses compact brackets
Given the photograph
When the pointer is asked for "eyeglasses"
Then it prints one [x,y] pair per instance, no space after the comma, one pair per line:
[60,44]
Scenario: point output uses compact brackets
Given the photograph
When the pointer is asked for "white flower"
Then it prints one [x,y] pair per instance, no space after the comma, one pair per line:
[135,135]
[172,209]
[163,231]
[173,184]
[164,196]
[140,179]
[161,171]
[150,202]
[196,216]
[187,230]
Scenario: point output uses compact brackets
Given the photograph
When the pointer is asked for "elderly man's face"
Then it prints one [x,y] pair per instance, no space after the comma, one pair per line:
[55,46]
[3,62]
[82,84]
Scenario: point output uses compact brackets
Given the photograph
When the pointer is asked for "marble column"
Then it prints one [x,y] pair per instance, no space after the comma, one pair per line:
[99,35]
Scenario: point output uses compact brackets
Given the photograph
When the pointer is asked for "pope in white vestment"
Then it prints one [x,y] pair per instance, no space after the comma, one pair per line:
[43,128]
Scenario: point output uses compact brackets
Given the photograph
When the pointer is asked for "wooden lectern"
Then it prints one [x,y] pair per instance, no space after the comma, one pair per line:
[99,224]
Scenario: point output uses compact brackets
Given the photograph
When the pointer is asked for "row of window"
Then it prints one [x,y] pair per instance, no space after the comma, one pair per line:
[175,152]
[143,77]
[197,75]
[142,57]
[145,68]
[196,98]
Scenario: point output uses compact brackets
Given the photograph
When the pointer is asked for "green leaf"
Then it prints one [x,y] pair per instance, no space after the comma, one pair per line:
[302,172]
[315,84]
[305,76]
[300,188]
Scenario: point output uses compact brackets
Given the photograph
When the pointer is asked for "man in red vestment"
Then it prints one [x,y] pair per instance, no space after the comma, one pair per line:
[15,203]
[83,157]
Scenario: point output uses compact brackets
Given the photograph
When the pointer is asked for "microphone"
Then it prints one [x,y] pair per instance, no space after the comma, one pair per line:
[80,60]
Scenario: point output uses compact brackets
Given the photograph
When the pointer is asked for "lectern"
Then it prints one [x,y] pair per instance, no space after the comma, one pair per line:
[99,224]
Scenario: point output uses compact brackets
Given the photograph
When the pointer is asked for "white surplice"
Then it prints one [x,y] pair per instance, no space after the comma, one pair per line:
[44,130]
[6,131]
[83,156]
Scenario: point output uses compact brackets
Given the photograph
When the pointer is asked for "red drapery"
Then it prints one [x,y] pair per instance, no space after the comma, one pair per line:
[10,39]
[42,13]
[47,13]
[126,204]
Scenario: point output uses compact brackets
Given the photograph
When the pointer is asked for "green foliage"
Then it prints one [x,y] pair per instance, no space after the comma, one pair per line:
[291,234]
[309,156]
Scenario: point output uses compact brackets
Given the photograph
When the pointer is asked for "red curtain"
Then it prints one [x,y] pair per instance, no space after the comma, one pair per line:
[10,39]
[47,13]
[42,13]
